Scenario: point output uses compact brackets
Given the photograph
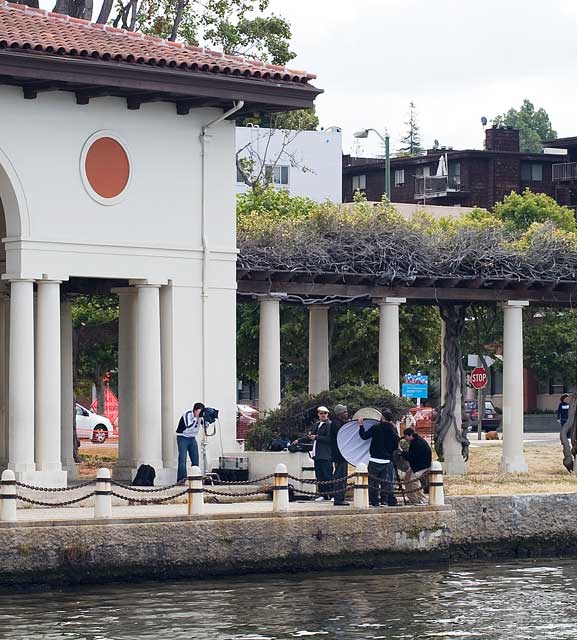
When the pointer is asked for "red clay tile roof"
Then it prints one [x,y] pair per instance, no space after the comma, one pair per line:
[24,28]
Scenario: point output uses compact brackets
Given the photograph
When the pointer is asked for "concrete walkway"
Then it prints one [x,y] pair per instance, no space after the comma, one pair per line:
[149,513]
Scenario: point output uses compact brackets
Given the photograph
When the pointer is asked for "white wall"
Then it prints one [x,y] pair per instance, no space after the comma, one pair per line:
[319,152]
[153,234]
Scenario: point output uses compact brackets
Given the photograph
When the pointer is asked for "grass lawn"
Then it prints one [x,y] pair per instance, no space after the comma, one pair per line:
[546,473]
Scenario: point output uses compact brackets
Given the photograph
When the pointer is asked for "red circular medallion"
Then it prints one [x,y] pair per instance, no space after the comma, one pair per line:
[107,167]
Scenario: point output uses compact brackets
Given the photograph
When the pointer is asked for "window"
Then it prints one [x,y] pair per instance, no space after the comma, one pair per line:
[399,177]
[454,175]
[279,174]
[531,172]
[359,183]
[239,177]
[423,171]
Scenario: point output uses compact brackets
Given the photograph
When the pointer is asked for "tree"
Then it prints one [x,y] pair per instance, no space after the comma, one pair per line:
[534,126]
[519,211]
[412,139]
[236,27]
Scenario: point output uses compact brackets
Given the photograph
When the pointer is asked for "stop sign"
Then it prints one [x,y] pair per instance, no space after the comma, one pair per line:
[479,378]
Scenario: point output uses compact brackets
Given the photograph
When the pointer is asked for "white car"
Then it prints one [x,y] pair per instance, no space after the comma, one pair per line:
[91,426]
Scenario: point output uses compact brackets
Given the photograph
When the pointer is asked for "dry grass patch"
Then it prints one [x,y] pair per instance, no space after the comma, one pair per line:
[546,473]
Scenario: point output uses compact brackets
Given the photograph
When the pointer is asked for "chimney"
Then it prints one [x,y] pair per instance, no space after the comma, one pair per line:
[502,139]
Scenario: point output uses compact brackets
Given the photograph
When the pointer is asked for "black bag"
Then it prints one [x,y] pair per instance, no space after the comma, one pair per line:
[144,476]
[300,447]
[278,444]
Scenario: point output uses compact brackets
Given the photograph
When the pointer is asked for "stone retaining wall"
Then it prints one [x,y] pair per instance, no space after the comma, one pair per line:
[202,547]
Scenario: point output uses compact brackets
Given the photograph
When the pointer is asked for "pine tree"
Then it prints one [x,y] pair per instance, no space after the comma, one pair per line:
[412,141]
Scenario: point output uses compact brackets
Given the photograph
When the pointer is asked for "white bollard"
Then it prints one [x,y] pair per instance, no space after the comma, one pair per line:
[195,492]
[8,496]
[436,490]
[280,496]
[361,488]
[103,498]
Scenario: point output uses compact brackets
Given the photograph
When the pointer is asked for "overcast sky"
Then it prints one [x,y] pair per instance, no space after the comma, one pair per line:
[457,60]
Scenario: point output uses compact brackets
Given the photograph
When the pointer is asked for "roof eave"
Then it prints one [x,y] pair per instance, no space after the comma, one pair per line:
[174,83]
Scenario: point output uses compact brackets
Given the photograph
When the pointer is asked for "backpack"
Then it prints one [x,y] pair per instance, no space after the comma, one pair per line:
[144,476]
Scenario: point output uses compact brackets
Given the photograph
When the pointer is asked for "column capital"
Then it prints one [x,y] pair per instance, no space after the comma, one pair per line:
[318,307]
[270,297]
[147,285]
[389,300]
[124,291]
[48,281]
[514,304]
[145,282]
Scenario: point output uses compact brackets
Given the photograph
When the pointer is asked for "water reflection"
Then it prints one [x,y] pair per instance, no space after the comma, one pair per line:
[514,601]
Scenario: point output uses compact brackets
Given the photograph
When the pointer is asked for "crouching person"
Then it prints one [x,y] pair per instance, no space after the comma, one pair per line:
[419,458]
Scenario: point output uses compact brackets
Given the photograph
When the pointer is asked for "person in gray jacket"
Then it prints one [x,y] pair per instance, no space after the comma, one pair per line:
[322,453]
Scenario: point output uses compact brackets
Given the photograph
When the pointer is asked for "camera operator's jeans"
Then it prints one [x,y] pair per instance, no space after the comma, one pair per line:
[186,445]
[382,484]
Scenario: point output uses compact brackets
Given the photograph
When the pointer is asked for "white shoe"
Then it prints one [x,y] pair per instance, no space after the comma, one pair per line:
[320,499]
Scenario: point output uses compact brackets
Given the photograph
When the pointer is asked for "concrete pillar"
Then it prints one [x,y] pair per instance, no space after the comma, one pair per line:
[48,385]
[21,376]
[319,371]
[269,355]
[4,335]
[126,383]
[148,377]
[67,408]
[169,452]
[513,460]
[389,366]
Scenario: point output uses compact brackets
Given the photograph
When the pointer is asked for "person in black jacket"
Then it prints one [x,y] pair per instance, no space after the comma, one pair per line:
[384,442]
[340,464]
[563,410]
[322,453]
[419,457]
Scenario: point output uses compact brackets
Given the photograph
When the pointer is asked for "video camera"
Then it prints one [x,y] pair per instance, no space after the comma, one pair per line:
[210,416]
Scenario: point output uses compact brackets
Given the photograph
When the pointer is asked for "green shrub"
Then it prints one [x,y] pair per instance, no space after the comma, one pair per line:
[298,412]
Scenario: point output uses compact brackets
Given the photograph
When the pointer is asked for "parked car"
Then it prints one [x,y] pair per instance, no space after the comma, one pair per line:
[491,420]
[91,426]
[245,417]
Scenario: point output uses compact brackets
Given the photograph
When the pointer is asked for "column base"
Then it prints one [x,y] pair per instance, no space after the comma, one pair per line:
[516,464]
[56,479]
[123,471]
[454,466]
[72,469]
[164,475]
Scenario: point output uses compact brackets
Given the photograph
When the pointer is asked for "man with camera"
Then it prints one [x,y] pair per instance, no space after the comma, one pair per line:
[189,425]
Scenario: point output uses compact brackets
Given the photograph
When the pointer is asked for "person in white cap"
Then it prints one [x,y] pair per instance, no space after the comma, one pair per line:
[321,453]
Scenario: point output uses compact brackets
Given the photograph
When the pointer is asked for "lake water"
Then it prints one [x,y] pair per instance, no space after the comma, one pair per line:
[513,601]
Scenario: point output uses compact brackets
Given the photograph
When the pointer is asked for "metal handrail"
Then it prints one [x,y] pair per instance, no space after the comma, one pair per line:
[564,171]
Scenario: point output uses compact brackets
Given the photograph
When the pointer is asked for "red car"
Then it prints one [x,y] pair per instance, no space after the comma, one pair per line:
[246,416]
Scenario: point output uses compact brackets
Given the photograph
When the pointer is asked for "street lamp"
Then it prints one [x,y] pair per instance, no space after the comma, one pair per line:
[364,133]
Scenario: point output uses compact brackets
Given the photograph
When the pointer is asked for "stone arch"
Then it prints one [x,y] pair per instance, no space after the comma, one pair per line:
[15,219]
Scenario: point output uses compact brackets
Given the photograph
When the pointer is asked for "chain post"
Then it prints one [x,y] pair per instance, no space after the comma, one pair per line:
[8,496]
[361,487]
[103,495]
[436,486]
[195,492]
[280,497]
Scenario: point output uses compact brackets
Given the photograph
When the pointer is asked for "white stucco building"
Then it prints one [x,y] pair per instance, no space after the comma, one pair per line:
[117,173]
[305,163]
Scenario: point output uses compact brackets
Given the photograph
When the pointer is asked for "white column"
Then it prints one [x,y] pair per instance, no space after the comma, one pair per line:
[148,377]
[48,398]
[4,329]
[67,390]
[269,355]
[21,379]
[126,383]
[169,453]
[389,365]
[319,370]
[513,460]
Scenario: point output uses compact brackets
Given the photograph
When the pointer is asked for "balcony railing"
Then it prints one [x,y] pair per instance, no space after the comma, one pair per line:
[565,171]
[436,186]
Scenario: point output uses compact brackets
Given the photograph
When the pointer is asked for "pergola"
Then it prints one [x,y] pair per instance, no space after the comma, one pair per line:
[317,291]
